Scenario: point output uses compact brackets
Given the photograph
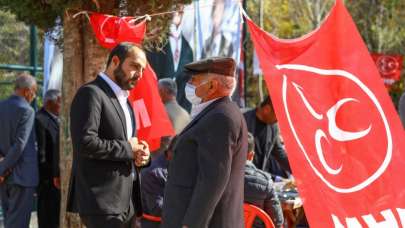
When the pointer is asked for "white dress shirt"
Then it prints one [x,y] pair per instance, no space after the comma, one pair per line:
[197,109]
[175,44]
[122,96]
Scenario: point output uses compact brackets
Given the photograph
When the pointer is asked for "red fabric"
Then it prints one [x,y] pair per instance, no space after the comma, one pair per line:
[389,66]
[343,137]
[112,30]
[152,121]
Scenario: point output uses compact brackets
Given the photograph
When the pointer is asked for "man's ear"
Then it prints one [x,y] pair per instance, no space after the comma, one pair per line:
[115,61]
[214,85]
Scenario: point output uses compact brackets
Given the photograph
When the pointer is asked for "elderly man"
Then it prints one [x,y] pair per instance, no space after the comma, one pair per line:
[178,116]
[107,157]
[47,131]
[18,163]
[204,187]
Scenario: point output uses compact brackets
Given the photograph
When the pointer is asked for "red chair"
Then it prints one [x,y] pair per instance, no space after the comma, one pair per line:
[152,218]
[251,212]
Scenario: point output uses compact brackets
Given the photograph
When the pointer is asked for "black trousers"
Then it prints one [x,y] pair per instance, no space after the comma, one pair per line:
[48,205]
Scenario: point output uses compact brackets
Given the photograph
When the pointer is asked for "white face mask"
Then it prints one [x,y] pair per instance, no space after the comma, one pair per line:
[190,93]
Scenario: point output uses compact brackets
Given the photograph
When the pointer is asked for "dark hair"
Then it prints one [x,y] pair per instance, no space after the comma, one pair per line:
[266,101]
[121,51]
[251,142]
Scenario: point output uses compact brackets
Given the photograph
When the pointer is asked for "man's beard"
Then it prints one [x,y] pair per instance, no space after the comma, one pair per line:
[121,81]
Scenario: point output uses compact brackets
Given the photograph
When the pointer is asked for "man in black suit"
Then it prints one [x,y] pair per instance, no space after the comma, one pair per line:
[270,155]
[205,180]
[47,131]
[107,157]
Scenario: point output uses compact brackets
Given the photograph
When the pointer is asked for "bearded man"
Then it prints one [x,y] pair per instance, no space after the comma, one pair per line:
[107,156]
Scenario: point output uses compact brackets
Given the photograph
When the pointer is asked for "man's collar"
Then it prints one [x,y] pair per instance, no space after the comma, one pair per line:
[20,98]
[52,115]
[196,109]
[116,89]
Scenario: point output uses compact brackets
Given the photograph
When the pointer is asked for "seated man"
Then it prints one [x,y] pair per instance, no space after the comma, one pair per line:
[153,183]
[270,155]
[259,189]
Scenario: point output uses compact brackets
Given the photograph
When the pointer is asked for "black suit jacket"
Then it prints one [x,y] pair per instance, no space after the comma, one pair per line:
[206,175]
[162,64]
[272,158]
[101,181]
[47,132]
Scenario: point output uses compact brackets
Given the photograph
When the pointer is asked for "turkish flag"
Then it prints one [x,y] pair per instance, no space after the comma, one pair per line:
[389,66]
[342,134]
[111,30]
[152,121]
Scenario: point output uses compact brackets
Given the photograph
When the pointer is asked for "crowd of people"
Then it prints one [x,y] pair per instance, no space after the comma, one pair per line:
[29,150]
[219,159]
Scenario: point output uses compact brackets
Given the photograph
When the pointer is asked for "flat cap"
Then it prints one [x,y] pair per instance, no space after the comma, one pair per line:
[218,65]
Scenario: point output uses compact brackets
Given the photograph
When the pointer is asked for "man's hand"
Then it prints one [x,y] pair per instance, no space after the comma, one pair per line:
[135,144]
[56,182]
[142,155]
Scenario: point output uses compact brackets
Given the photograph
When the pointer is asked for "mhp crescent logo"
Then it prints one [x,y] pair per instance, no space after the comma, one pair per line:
[328,148]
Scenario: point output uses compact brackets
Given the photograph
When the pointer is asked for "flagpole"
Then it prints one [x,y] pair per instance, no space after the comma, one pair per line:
[261,74]
[244,45]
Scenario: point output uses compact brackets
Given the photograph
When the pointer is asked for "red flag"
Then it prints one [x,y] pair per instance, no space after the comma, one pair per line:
[112,30]
[152,121]
[344,139]
[389,66]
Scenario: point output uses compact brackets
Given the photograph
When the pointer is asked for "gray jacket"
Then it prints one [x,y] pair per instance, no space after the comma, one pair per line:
[179,117]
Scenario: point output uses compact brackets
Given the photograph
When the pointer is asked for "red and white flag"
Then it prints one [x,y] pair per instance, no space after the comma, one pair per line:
[112,30]
[389,66]
[152,121]
[343,136]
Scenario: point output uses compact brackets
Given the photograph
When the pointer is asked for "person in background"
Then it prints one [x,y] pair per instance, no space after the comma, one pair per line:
[107,156]
[206,173]
[270,155]
[401,109]
[153,184]
[259,189]
[18,162]
[178,115]
[47,132]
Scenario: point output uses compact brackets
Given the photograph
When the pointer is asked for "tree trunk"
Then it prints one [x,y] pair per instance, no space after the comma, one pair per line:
[72,79]
[83,59]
